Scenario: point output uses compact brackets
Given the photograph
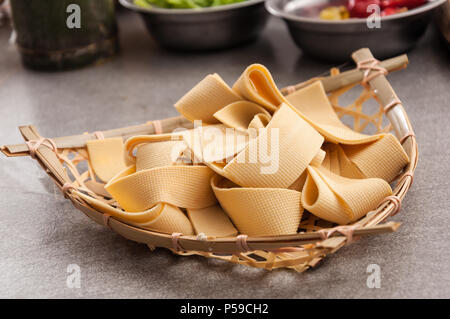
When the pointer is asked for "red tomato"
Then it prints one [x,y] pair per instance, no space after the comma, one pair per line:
[358,8]
[410,4]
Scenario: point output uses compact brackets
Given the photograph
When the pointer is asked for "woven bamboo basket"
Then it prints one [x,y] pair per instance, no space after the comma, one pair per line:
[299,251]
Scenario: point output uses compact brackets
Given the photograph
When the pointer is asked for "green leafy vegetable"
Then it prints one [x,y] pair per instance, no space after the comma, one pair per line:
[183,4]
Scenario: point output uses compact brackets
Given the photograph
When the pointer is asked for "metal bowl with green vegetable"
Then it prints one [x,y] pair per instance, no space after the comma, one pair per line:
[196,25]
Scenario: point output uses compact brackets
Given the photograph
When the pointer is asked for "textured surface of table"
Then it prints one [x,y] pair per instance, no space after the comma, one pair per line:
[41,233]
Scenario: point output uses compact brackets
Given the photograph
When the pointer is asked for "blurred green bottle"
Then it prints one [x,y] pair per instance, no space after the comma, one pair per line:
[64,34]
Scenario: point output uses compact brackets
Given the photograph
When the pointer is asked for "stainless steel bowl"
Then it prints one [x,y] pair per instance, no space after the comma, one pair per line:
[443,22]
[336,40]
[204,29]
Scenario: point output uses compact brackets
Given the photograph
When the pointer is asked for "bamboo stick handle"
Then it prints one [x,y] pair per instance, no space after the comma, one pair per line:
[46,157]
[387,97]
[334,82]
[315,236]
[76,141]
[228,245]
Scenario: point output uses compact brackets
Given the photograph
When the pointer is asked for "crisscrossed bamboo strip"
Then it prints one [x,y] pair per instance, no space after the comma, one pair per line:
[296,260]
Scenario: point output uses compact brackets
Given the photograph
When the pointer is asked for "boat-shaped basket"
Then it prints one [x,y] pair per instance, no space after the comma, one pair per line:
[316,238]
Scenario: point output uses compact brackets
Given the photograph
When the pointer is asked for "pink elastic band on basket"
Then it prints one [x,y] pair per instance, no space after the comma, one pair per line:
[347,231]
[368,66]
[391,104]
[99,135]
[33,145]
[158,127]
[410,134]
[66,187]
[175,244]
[241,244]
[396,201]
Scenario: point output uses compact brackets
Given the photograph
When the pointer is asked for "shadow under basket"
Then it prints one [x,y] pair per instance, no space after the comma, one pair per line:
[316,237]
